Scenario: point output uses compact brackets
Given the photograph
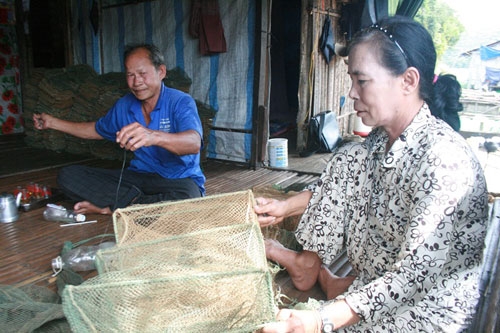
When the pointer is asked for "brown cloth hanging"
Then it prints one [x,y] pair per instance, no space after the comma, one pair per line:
[205,23]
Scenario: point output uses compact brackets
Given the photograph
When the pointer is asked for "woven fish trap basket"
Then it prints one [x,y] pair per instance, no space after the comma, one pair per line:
[141,223]
[208,277]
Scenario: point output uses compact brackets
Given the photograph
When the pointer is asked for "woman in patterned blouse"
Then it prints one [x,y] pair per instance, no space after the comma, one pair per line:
[409,203]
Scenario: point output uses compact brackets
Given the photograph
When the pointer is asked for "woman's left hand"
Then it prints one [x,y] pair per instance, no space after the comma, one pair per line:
[296,321]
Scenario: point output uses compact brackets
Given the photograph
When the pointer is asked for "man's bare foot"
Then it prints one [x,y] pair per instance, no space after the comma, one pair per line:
[303,267]
[85,207]
[333,285]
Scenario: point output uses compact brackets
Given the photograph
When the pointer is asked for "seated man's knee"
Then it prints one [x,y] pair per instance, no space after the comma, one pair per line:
[69,173]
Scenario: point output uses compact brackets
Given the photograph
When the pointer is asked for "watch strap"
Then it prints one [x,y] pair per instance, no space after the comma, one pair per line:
[326,324]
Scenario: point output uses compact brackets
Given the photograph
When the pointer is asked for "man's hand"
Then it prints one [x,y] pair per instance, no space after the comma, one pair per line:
[42,121]
[83,130]
[135,136]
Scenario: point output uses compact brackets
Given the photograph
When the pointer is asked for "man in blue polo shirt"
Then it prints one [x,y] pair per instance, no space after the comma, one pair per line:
[160,125]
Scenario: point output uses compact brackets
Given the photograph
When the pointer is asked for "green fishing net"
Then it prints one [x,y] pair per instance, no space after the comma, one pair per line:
[196,265]
[31,309]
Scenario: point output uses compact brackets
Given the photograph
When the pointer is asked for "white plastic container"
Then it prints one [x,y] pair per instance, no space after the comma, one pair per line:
[278,152]
[80,258]
[360,128]
[61,214]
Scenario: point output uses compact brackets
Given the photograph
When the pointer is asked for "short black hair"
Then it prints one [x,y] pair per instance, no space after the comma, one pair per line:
[155,54]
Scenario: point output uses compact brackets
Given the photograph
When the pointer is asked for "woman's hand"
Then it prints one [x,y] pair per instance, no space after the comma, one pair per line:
[272,211]
[310,321]
[296,321]
[269,211]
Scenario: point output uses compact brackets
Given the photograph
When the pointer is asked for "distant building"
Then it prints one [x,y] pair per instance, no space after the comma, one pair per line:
[484,68]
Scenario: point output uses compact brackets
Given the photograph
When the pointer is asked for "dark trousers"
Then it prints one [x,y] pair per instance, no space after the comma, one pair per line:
[100,187]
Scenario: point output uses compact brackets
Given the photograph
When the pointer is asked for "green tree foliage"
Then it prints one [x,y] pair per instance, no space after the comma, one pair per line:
[441,21]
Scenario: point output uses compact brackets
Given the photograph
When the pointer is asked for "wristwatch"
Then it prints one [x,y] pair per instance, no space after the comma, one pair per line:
[326,325]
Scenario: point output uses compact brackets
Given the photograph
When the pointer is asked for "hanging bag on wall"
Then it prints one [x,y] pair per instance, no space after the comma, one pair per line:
[323,134]
[326,41]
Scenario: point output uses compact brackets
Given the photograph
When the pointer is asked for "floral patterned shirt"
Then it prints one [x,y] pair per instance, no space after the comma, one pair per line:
[413,220]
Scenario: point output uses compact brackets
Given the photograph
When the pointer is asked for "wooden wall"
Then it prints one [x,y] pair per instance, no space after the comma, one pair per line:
[322,85]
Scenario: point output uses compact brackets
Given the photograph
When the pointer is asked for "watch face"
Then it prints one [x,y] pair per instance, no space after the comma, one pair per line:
[327,328]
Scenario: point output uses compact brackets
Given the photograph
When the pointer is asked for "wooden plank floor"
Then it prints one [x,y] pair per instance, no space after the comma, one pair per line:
[28,245]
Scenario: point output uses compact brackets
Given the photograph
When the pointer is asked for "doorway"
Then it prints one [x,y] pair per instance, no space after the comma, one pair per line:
[285,69]
[47,31]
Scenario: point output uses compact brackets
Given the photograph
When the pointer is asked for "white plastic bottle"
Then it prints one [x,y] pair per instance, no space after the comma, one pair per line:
[80,258]
[61,214]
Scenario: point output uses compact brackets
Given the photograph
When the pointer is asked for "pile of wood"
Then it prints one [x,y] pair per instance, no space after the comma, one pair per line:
[78,93]
[479,96]
[75,93]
